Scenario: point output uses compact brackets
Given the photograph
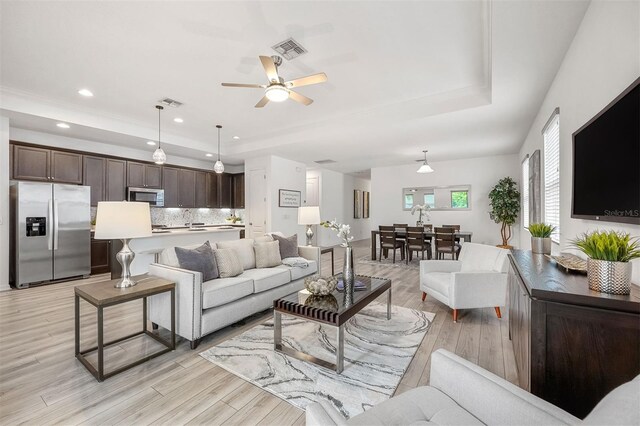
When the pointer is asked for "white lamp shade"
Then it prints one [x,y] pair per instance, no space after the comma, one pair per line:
[309,215]
[122,219]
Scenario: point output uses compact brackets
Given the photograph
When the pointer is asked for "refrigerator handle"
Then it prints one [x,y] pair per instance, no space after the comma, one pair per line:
[50,220]
[55,225]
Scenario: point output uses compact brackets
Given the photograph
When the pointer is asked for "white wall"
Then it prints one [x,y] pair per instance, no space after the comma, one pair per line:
[603,60]
[4,203]
[481,173]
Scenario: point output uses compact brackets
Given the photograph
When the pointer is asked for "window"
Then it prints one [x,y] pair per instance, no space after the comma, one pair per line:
[525,192]
[430,200]
[551,136]
[408,201]
[459,199]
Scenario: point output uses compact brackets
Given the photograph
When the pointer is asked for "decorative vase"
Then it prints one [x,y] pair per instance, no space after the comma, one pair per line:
[419,223]
[348,275]
[541,245]
[609,277]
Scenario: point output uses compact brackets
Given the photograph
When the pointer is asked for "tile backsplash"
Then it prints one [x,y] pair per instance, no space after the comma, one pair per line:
[178,217]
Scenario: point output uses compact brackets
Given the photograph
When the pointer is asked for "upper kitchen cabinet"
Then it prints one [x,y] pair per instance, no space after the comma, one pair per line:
[186,188]
[225,186]
[94,175]
[39,164]
[213,198]
[116,182]
[201,189]
[170,186]
[141,175]
[238,191]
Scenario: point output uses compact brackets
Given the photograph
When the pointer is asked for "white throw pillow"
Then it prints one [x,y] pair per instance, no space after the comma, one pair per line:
[267,254]
[229,264]
[264,239]
[244,249]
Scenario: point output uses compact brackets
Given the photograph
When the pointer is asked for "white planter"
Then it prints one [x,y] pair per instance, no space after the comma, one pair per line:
[609,277]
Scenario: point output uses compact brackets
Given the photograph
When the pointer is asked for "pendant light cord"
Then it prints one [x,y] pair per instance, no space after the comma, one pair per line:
[159,108]
[219,127]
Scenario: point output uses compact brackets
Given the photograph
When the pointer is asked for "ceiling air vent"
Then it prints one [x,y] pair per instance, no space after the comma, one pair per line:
[325,161]
[289,49]
[170,102]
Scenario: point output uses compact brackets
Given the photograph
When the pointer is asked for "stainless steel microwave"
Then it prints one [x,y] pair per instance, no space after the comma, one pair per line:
[155,197]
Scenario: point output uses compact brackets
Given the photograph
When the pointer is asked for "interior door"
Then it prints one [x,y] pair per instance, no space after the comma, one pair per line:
[257,211]
[313,191]
[71,231]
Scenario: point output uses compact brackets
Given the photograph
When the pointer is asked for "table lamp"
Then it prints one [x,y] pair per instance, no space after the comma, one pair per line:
[123,220]
[309,215]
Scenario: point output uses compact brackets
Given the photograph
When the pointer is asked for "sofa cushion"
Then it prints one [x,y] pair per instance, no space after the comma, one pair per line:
[288,245]
[244,248]
[619,407]
[423,405]
[297,273]
[224,290]
[200,259]
[267,278]
[267,254]
[439,281]
[168,256]
[481,257]
[229,264]
[264,239]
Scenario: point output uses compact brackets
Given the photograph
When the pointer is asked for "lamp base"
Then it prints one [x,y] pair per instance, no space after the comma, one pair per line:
[125,256]
[309,235]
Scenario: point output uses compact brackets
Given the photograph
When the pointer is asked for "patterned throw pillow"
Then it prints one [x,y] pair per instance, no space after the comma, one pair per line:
[200,259]
[229,264]
[267,254]
[288,245]
[244,250]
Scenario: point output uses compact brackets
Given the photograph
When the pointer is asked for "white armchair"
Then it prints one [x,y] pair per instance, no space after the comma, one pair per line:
[478,279]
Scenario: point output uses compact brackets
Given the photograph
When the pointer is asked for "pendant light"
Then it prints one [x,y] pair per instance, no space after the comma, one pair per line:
[159,157]
[218,167]
[425,168]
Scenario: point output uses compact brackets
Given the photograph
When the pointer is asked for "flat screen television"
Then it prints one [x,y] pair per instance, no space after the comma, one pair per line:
[606,162]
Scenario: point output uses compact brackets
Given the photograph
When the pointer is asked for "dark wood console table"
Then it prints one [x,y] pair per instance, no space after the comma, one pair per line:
[572,345]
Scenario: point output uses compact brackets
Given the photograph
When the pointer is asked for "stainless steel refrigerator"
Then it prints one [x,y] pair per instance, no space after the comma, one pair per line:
[51,232]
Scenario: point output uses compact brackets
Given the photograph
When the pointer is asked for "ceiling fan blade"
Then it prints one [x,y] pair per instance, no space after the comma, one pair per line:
[262,102]
[300,98]
[270,68]
[306,81]
[253,86]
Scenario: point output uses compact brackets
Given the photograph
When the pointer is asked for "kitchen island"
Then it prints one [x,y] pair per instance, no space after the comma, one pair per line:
[147,248]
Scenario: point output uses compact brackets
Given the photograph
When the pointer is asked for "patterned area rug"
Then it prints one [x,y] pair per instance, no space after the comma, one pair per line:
[377,353]
[414,264]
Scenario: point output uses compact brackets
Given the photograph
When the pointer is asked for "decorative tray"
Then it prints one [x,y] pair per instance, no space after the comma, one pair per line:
[570,262]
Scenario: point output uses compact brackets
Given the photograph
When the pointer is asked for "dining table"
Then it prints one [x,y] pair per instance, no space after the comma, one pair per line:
[463,235]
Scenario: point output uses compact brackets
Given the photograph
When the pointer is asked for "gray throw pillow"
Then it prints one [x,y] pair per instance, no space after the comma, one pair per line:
[288,245]
[267,254]
[200,259]
[229,264]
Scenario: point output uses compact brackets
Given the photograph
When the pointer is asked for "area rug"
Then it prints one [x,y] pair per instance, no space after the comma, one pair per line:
[377,353]
[414,264]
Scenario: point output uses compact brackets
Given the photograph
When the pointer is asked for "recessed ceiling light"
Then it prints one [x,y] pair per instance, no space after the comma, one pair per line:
[151,143]
[85,92]
[63,125]
[209,155]
[236,137]
[178,120]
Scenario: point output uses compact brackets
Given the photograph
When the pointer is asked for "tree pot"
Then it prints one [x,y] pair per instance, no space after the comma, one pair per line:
[609,277]
[541,245]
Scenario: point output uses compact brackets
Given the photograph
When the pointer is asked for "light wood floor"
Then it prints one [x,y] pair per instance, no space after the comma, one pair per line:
[42,383]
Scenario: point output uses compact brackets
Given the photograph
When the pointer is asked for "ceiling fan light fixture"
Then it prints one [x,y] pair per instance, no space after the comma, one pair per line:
[425,168]
[277,93]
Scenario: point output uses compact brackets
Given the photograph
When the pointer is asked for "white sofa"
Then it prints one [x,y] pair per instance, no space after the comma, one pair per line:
[461,393]
[478,279]
[204,307]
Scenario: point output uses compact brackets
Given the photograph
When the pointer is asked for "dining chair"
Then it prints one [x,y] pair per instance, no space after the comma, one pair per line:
[457,228]
[418,242]
[389,241]
[446,243]
[428,228]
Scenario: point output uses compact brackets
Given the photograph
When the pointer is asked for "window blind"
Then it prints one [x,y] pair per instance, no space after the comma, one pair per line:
[525,192]
[551,136]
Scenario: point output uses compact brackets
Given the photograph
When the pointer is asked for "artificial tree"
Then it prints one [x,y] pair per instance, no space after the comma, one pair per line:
[504,199]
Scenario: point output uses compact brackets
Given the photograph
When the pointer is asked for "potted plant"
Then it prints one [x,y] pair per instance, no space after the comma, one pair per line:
[504,199]
[609,259]
[422,209]
[541,237]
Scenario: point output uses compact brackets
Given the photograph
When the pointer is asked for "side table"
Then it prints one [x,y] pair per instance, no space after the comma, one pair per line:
[104,294]
[323,251]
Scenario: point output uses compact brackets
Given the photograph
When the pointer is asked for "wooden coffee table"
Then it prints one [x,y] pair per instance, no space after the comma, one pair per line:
[335,312]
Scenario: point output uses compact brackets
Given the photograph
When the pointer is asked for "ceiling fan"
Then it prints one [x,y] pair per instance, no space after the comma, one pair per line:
[279,90]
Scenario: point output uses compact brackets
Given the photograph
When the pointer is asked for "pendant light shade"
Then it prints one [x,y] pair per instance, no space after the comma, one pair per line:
[159,157]
[425,168]
[218,167]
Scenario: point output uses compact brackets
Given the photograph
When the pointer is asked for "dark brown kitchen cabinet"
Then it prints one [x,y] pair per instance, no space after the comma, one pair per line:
[238,191]
[100,256]
[94,176]
[225,186]
[142,175]
[186,188]
[213,200]
[201,189]
[116,180]
[170,186]
[39,164]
